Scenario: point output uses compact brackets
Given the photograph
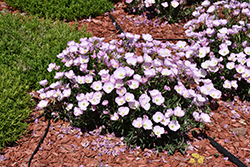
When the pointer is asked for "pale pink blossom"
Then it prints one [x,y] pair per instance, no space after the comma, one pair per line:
[123,111]
[158,131]
[43,82]
[137,123]
[42,104]
[114,117]
[158,116]
[174,125]
[108,87]
[77,111]
[147,124]
[179,112]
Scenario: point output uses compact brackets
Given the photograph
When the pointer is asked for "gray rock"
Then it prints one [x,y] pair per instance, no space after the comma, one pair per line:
[239,131]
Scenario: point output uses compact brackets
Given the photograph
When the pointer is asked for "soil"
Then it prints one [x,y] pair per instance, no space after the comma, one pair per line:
[65,146]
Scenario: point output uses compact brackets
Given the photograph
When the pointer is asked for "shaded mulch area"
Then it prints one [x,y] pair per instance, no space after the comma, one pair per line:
[67,146]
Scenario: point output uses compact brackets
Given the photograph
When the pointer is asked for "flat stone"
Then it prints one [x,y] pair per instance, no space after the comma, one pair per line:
[239,131]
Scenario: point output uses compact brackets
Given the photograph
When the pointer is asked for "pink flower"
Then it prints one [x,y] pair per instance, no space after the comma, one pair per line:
[227,84]
[196,116]
[129,97]
[158,116]
[144,101]
[120,100]
[147,37]
[175,4]
[42,104]
[137,123]
[120,73]
[77,111]
[123,111]
[43,82]
[216,94]
[234,84]
[169,113]
[179,112]
[88,78]
[154,92]
[83,104]
[165,121]
[66,92]
[69,106]
[158,131]
[119,83]
[59,75]
[134,105]
[51,66]
[114,117]
[133,84]
[164,4]
[105,102]
[147,124]
[70,74]
[174,125]
[129,1]
[158,99]
[80,97]
[205,117]
[97,85]
[108,87]
[121,91]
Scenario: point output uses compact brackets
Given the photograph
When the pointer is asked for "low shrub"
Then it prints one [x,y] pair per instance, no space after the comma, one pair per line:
[141,91]
[170,10]
[62,9]
[220,45]
[15,105]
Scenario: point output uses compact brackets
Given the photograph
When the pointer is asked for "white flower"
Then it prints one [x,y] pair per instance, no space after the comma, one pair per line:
[175,4]
[174,125]
[164,4]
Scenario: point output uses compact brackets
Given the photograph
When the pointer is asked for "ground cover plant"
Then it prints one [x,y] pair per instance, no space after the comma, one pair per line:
[27,46]
[63,9]
[15,105]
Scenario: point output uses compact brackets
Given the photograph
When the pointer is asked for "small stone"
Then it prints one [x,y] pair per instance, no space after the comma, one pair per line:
[239,131]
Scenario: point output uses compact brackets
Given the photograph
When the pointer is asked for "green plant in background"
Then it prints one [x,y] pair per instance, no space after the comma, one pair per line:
[31,43]
[27,46]
[15,104]
[62,9]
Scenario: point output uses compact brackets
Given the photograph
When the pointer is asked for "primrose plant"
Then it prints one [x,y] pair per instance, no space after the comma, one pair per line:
[220,45]
[147,94]
[170,10]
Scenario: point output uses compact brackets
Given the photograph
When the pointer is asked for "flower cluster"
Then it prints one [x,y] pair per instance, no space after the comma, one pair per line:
[111,84]
[170,10]
[221,43]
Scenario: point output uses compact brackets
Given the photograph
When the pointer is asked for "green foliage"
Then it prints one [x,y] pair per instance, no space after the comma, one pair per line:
[62,9]
[32,43]
[15,105]
[27,46]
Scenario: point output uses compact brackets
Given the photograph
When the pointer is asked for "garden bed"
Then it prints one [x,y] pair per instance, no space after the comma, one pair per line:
[64,147]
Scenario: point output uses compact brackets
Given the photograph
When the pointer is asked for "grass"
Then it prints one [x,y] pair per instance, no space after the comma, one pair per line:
[62,9]
[27,46]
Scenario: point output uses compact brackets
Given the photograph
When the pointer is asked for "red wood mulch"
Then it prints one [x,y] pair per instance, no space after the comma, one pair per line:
[64,146]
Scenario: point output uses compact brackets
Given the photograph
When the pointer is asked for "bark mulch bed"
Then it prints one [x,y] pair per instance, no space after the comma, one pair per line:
[65,146]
